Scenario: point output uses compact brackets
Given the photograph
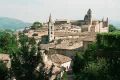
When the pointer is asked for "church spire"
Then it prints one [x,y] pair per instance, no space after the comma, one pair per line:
[103,19]
[50,29]
[50,19]
[89,16]
[89,11]
[107,19]
[107,22]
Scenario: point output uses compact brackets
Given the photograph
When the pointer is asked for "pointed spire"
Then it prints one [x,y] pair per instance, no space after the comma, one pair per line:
[107,19]
[107,22]
[50,20]
[103,19]
[89,11]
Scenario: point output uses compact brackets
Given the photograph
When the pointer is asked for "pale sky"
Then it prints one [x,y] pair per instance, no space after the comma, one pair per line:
[39,10]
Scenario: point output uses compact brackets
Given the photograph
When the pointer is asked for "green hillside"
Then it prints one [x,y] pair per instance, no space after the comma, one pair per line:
[13,24]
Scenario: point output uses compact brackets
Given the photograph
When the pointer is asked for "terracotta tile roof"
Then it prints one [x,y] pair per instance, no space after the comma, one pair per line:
[46,46]
[60,59]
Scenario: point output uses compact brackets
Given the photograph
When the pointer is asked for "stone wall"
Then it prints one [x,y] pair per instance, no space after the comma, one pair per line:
[69,53]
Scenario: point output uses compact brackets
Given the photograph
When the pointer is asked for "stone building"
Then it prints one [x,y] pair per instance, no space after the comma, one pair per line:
[87,24]
[65,29]
[58,62]
[62,38]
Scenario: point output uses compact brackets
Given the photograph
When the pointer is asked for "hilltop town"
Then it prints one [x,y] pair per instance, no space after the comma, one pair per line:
[50,48]
[60,40]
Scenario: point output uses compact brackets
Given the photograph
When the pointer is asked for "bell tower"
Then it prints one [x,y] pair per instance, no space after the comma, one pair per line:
[88,17]
[89,13]
[50,30]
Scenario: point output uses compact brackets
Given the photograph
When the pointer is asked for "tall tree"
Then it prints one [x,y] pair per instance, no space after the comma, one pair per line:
[112,28]
[29,57]
[8,42]
[3,71]
[36,25]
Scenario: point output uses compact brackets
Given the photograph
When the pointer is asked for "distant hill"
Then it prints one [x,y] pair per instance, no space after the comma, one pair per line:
[13,24]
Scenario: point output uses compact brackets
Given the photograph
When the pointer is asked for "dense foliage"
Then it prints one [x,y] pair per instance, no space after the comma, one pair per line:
[25,61]
[3,71]
[109,40]
[25,58]
[79,63]
[101,61]
[65,76]
[8,42]
[36,25]
[112,28]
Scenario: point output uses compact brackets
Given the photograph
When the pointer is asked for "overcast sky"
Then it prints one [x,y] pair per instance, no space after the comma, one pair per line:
[39,10]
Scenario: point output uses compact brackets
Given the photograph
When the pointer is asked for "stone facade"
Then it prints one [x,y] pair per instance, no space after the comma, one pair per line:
[88,24]
[65,29]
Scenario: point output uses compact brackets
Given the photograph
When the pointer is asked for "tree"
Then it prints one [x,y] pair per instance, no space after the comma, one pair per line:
[112,28]
[95,71]
[36,25]
[78,63]
[102,60]
[23,39]
[25,62]
[29,57]
[90,53]
[32,41]
[3,71]
[8,42]
[24,58]
[65,77]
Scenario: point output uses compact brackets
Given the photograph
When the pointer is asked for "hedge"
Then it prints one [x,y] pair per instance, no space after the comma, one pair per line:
[109,40]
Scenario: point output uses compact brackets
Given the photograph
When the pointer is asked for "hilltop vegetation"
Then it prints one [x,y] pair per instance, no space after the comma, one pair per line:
[101,61]
[36,25]
[8,42]
[25,58]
